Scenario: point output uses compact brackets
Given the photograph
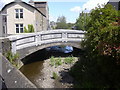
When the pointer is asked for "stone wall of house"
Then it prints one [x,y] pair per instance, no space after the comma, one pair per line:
[43,7]
[115,4]
[1,33]
[39,21]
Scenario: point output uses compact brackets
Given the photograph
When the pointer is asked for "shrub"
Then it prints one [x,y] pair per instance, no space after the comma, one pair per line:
[69,60]
[52,61]
[55,61]
[100,67]
[55,76]
[12,58]
[30,29]
[58,62]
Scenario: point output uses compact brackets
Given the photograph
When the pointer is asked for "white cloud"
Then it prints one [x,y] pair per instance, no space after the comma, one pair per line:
[91,4]
[76,9]
[6,1]
[52,18]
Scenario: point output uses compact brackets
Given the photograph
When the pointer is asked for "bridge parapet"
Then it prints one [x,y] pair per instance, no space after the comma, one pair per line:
[45,37]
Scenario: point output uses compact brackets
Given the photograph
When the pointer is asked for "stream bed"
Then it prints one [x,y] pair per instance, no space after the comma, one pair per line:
[41,74]
[40,71]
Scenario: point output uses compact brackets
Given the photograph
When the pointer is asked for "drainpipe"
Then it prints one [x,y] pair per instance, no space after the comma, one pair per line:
[5,23]
[42,23]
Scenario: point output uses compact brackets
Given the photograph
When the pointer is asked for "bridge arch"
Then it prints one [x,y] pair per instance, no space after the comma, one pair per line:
[27,51]
[29,43]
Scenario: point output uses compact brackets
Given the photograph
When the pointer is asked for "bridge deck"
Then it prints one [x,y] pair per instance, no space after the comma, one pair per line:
[25,40]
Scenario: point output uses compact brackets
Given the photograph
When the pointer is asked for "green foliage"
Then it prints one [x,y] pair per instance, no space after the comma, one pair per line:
[61,23]
[58,61]
[52,61]
[70,25]
[55,61]
[82,21]
[96,73]
[30,29]
[100,66]
[55,76]
[12,58]
[69,60]
[25,30]
[103,32]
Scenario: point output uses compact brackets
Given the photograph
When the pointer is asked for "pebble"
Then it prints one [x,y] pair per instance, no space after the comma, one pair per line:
[48,82]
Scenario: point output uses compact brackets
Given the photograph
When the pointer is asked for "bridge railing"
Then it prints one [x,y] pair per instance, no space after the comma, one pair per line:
[40,38]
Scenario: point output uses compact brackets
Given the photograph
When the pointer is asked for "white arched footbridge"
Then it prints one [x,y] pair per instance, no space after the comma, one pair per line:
[45,39]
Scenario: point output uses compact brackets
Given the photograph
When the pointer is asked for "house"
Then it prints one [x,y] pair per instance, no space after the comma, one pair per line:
[115,3]
[16,15]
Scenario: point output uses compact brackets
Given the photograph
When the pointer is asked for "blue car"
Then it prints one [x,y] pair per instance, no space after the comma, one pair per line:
[66,49]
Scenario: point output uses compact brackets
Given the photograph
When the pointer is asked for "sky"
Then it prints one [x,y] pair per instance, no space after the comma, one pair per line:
[68,8]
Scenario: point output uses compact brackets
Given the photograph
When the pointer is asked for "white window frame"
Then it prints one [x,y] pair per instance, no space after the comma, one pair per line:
[19,14]
[20,28]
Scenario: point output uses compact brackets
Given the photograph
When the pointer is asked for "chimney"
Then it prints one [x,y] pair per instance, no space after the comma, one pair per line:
[31,2]
[17,0]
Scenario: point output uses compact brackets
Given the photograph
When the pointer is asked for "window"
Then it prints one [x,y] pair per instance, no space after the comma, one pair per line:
[4,18]
[19,13]
[3,29]
[19,28]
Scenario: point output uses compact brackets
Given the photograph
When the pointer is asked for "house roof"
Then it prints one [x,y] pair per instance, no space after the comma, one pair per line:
[24,3]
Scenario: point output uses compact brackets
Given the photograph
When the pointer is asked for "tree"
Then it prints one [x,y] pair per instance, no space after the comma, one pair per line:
[103,33]
[82,21]
[30,29]
[61,23]
[70,25]
[99,66]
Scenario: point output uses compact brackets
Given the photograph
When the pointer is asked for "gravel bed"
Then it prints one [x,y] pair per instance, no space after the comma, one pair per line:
[64,80]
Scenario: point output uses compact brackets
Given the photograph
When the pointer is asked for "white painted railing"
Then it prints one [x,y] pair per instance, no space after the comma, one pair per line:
[52,36]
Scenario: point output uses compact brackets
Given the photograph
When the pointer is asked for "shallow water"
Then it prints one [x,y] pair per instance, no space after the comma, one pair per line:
[33,71]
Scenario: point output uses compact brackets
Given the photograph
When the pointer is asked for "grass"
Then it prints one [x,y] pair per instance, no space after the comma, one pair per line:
[52,61]
[55,76]
[55,61]
[58,61]
[69,60]
[12,58]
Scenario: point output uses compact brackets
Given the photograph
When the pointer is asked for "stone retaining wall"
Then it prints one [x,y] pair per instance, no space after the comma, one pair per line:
[13,77]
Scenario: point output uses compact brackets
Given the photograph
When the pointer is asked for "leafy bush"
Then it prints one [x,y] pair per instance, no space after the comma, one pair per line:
[58,62]
[82,21]
[52,61]
[100,66]
[30,29]
[69,60]
[103,35]
[55,76]
[12,58]
[55,61]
